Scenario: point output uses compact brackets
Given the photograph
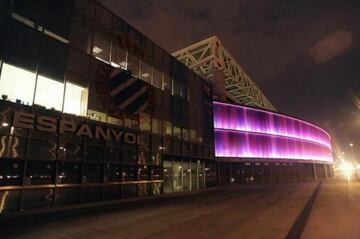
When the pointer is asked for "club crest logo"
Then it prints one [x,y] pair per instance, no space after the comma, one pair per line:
[123,94]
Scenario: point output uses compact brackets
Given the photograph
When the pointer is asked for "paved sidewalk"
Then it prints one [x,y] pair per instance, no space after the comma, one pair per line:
[336,211]
[259,211]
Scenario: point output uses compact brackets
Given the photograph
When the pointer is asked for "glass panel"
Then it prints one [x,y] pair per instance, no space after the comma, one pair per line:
[42,149]
[75,101]
[194,175]
[130,156]
[167,83]
[168,128]
[113,173]
[11,172]
[67,196]
[69,173]
[10,200]
[129,190]
[146,72]
[143,157]
[144,172]
[94,173]
[168,177]
[114,154]
[92,194]
[201,175]
[118,56]
[177,132]
[129,173]
[103,16]
[36,198]
[156,173]
[156,188]
[157,81]
[133,65]
[16,84]
[145,122]
[49,93]
[101,45]
[40,172]
[185,134]
[142,190]
[156,126]
[112,192]
[70,151]
[186,175]
[177,179]
[94,153]
[12,146]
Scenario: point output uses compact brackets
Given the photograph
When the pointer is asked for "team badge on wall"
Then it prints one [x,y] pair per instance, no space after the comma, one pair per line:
[124,94]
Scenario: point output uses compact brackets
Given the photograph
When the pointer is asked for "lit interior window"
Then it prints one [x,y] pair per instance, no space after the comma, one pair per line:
[75,99]
[17,84]
[49,93]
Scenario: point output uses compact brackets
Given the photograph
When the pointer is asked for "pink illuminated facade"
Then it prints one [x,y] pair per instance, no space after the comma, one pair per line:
[244,132]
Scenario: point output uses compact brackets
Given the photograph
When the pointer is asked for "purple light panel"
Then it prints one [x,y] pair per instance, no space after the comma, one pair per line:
[252,133]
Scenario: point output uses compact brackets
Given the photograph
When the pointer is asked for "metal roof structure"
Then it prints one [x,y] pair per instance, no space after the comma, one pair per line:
[209,56]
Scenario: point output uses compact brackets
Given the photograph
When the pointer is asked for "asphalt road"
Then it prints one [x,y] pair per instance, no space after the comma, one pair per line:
[259,211]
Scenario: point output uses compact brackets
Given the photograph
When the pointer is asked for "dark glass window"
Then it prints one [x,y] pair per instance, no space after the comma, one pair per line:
[42,149]
[101,45]
[10,172]
[94,173]
[129,173]
[58,18]
[112,192]
[37,198]
[40,172]
[94,153]
[80,36]
[143,157]
[12,146]
[11,202]
[143,190]
[133,64]
[156,173]
[114,173]
[130,156]
[92,194]
[70,151]
[103,16]
[144,172]
[129,190]
[69,173]
[156,188]
[67,196]
[113,154]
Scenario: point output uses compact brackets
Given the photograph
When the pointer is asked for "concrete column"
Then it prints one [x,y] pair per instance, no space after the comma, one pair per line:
[314,171]
[325,170]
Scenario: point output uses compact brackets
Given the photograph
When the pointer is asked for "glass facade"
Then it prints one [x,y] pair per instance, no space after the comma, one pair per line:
[68,60]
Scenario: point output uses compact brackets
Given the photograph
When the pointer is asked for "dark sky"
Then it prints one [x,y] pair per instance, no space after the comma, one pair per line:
[303,54]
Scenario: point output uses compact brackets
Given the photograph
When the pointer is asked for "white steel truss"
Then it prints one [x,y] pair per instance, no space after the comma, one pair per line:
[209,56]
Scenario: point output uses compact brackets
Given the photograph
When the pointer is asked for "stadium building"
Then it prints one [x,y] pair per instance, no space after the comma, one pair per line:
[92,110]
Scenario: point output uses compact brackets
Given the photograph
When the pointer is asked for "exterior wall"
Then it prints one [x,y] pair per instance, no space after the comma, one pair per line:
[258,146]
[269,172]
[248,133]
[57,59]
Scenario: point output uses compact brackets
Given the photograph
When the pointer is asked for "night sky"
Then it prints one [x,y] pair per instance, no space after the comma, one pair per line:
[304,55]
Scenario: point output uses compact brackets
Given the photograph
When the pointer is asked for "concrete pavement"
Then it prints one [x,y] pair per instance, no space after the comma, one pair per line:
[336,211]
[259,211]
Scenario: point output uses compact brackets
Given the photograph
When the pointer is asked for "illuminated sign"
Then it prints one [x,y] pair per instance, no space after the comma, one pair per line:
[71,125]
[244,132]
